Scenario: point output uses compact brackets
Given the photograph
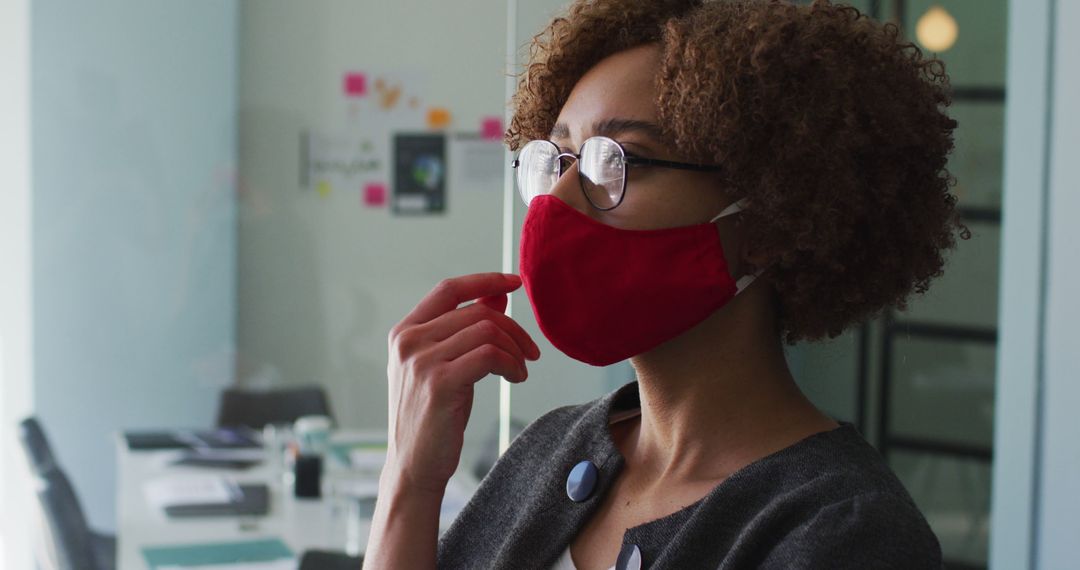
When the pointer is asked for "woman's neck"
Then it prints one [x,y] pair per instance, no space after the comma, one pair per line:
[717,398]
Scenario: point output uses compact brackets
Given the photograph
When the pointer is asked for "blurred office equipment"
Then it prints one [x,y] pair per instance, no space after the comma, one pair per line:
[329,560]
[257,408]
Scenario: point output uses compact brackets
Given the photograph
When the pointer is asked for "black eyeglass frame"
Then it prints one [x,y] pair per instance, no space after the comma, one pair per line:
[627,160]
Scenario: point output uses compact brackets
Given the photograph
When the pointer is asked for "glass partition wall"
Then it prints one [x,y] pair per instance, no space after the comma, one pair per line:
[918,384]
[370,168]
[556,379]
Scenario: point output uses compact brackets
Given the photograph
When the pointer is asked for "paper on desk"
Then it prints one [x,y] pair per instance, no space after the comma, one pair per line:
[189,490]
[368,458]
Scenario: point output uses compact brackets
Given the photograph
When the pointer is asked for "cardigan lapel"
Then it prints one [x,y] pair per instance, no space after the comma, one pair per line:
[549,525]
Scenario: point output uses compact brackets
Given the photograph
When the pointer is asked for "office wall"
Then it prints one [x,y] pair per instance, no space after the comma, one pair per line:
[323,278]
[16,496]
[1058,526]
[1035,448]
[133,223]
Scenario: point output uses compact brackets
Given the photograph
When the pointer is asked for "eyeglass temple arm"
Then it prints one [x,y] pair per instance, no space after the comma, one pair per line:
[636,160]
[517,161]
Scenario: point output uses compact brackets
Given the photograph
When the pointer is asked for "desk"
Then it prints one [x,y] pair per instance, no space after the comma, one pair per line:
[301,523]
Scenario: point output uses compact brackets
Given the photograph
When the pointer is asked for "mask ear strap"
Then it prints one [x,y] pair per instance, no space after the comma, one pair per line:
[732,209]
[746,280]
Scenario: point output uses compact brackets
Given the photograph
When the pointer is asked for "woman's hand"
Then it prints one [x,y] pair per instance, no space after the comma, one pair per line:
[437,352]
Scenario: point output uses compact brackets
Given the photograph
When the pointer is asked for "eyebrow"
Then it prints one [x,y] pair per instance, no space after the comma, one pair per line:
[615,127]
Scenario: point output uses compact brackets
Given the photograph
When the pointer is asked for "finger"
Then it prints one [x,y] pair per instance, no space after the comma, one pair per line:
[478,334]
[496,303]
[487,359]
[450,323]
[450,293]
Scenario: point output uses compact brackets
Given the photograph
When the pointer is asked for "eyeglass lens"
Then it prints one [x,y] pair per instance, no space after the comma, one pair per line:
[601,166]
[601,169]
[539,169]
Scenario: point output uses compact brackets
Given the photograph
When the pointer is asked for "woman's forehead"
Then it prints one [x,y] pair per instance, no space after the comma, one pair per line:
[619,91]
[614,128]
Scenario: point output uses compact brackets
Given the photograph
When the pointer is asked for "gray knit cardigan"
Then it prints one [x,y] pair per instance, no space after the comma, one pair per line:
[828,501]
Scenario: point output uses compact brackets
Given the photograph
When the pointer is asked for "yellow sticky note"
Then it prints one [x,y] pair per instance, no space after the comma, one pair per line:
[324,188]
[438,117]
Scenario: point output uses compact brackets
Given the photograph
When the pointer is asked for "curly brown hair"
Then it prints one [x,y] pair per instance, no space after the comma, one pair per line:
[828,123]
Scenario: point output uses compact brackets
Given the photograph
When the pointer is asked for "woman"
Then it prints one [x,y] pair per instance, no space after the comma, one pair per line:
[706,181]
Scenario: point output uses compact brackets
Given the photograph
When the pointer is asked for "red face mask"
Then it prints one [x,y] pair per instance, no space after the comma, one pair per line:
[603,294]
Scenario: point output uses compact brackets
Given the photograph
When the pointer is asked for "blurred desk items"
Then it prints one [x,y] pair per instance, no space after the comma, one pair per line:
[222,438]
[208,495]
[269,554]
[337,522]
[329,560]
[222,458]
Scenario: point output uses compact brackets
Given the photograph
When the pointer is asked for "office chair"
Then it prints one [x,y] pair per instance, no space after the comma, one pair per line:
[39,453]
[256,408]
[74,546]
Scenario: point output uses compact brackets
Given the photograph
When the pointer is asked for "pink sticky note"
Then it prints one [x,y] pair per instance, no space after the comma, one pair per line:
[355,84]
[491,128]
[375,194]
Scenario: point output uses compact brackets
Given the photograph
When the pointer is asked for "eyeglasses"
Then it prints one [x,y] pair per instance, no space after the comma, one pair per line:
[602,164]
